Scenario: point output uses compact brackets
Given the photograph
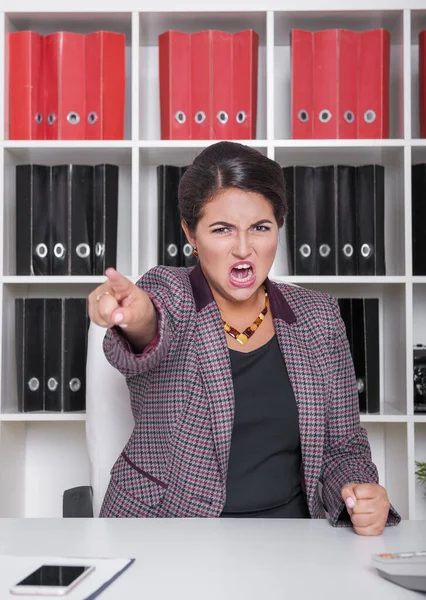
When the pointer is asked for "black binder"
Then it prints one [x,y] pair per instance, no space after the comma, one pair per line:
[370,203]
[105,218]
[72,219]
[418,212]
[75,327]
[30,353]
[53,372]
[169,227]
[301,220]
[346,221]
[325,207]
[33,244]
[361,318]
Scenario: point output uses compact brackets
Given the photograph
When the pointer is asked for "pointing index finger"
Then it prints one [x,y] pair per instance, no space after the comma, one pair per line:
[120,284]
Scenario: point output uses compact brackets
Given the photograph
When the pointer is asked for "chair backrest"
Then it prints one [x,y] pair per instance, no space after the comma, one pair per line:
[109,419]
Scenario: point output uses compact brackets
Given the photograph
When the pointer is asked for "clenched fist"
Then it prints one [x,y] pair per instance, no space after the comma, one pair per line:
[118,301]
[368,507]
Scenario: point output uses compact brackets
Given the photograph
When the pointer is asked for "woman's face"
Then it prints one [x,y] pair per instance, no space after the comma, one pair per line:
[236,239]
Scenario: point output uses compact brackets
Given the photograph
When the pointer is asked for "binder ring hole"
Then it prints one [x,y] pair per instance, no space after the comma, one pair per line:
[92,118]
[33,384]
[200,117]
[305,250]
[83,250]
[325,116]
[360,384]
[303,116]
[172,250]
[52,384]
[222,117]
[75,384]
[59,250]
[348,250]
[369,116]
[38,118]
[349,116]
[73,118]
[241,116]
[324,250]
[180,117]
[99,249]
[187,250]
[51,119]
[41,250]
[366,250]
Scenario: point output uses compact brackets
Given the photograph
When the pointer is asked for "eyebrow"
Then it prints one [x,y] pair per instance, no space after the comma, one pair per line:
[231,225]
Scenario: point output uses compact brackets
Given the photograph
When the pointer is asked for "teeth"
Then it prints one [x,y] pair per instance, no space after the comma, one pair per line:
[244,266]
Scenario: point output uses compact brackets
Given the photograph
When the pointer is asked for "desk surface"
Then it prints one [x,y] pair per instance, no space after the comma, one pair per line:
[185,559]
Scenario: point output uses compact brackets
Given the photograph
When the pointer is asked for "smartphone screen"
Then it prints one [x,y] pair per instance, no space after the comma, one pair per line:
[53,575]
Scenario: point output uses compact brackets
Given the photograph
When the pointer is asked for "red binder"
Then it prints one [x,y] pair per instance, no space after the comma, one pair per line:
[245,46]
[200,86]
[302,102]
[373,84]
[221,85]
[26,86]
[325,72]
[65,86]
[347,84]
[105,85]
[422,83]
[175,85]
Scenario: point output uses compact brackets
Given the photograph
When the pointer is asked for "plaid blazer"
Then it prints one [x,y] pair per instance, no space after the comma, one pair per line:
[182,399]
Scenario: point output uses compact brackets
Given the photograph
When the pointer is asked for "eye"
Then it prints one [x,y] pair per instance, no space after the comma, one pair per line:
[220,230]
[262,228]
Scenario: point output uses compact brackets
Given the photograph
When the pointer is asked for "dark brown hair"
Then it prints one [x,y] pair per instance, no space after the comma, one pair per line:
[227,165]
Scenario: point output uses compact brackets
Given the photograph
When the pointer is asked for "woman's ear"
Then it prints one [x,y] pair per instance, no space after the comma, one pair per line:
[189,236]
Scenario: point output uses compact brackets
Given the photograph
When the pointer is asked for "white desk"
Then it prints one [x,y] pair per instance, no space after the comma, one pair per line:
[221,559]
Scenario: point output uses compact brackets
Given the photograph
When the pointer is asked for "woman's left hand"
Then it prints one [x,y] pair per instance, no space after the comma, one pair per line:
[368,507]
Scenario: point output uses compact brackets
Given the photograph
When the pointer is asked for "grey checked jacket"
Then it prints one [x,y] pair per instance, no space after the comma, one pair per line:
[182,398]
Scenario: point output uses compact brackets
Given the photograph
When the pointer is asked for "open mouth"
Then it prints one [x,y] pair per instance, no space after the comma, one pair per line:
[242,273]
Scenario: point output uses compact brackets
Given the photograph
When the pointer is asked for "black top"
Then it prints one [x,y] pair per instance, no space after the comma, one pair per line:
[265,458]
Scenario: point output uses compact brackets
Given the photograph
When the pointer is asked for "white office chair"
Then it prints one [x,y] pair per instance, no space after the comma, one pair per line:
[109,424]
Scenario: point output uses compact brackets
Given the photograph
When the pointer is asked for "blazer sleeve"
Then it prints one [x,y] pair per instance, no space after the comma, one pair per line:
[347,453]
[166,293]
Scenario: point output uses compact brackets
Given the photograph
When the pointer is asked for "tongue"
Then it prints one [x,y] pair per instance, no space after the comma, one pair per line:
[240,273]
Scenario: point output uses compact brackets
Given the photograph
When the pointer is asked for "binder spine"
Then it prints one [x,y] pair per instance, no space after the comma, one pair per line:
[175,85]
[305,221]
[346,221]
[169,241]
[33,243]
[325,208]
[419,218]
[222,85]
[245,50]
[105,218]
[80,201]
[302,100]
[74,326]
[26,86]
[325,75]
[370,220]
[30,353]
[61,215]
[53,354]
[201,101]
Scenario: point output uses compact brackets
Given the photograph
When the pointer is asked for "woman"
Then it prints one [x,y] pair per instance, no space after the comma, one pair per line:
[242,390]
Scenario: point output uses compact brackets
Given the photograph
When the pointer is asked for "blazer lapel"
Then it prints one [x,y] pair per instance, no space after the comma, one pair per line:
[305,374]
[215,367]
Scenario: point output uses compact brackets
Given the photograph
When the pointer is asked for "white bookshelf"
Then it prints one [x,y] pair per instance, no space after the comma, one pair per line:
[41,455]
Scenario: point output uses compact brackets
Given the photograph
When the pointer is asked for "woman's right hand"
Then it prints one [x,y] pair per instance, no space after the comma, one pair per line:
[118,301]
